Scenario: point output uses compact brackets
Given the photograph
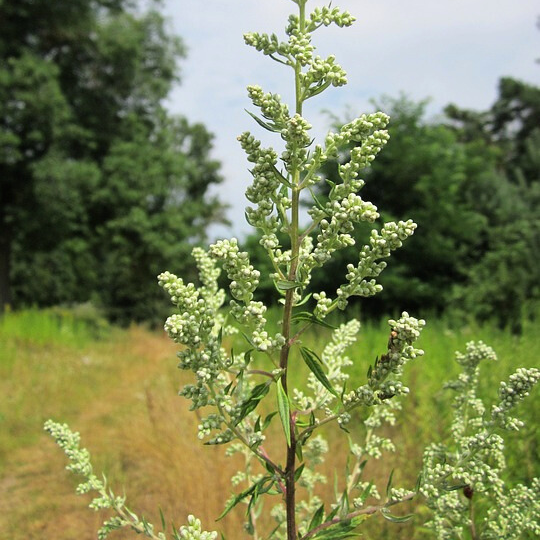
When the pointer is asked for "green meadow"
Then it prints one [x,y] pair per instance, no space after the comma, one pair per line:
[118,388]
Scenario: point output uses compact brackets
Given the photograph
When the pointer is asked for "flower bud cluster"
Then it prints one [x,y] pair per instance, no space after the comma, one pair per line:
[322,73]
[297,138]
[265,184]
[244,278]
[193,325]
[515,513]
[469,410]
[193,531]
[323,305]
[356,131]
[209,274]
[405,331]
[328,15]
[210,423]
[476,458]
[399,494]
[300,46]
[367,130]
[369,490]
[381,245]
[267,44]
[511,393]
[382,384]
[335,232]
[271,106]
[475,353]
[361,157]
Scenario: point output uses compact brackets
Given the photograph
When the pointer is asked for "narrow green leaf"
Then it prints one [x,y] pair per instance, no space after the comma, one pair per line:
[306,316]
[281,178]
[365,494]
[237,498]
[304,300]
[249,340]
[343,529]
[268,419]
[314,363]
[318,204]
[284,411]
[298,452]
[454,487]
[270,127]
[298,472]
[389,484]
[317,518]
[395,519]
[252,401]
[285,284]
[163,522]
[418,483]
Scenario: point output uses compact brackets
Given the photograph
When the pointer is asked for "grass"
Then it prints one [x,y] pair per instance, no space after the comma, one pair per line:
[118,388]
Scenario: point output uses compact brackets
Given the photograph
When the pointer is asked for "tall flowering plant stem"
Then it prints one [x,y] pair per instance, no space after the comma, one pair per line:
[230,380]
[229,383]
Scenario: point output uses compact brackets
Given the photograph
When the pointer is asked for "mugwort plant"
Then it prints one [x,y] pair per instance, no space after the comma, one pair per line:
[231,385]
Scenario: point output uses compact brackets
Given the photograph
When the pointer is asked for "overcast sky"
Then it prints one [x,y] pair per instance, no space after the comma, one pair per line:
[448,50]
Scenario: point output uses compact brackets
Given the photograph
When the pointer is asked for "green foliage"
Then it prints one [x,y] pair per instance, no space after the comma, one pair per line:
[98,181]
[54,326]
[502,276]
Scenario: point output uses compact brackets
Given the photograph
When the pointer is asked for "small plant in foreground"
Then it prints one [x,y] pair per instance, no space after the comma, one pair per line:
[233,383]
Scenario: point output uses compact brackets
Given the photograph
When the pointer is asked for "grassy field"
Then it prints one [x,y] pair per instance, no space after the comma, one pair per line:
[118,388]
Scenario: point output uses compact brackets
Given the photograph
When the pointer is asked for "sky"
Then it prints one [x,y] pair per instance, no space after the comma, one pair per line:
[452,51]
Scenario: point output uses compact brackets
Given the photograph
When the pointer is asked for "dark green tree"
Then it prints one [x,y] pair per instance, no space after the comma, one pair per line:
[423,173]
[100,187]
[503,277]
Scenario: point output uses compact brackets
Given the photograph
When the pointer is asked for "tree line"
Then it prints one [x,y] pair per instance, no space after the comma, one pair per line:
[101,187]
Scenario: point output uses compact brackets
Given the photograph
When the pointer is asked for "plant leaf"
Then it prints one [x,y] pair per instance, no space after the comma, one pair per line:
[389,484]
[314,363]
[263,124]
[285,284]
[298,472]
[252,401]
[395,519]
[284,411]
[304,300]
[317,518]
[309,317]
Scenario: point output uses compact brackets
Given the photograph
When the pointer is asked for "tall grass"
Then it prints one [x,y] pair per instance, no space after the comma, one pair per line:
[120,392]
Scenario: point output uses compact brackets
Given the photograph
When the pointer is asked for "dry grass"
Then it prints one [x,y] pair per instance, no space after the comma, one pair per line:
[121,396]
[120,393]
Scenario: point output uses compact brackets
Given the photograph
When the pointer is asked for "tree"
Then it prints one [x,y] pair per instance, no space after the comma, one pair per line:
[502,281]
[92,167]
[424,173]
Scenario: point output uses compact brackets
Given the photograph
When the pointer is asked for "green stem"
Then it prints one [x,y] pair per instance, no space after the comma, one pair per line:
[290,502]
